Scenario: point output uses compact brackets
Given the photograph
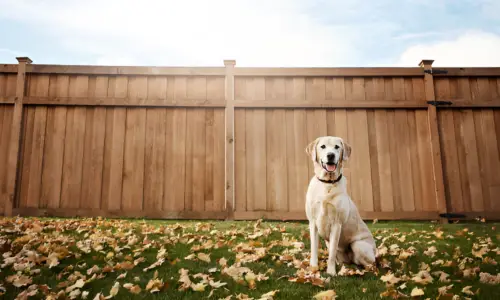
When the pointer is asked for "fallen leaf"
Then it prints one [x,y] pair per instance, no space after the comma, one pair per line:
[204,257]
[74,294]
[423,277]
[78,285]
[466,290]
[416,292]
[184,279]
[154,285]
[488,278]
[431,251]
[390,278]
[133,288]
[85,294]
[114,290]
[481,252]
[269,295]
[444,289]
[326,295]
[18,280]
[443,277]
[199,287]
[223,262]
[52,260]
[217,284]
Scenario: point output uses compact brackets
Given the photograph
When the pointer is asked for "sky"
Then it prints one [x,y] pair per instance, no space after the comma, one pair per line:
[255,33]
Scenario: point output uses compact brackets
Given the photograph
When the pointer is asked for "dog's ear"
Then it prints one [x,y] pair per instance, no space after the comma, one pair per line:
[311,149]
[346,152]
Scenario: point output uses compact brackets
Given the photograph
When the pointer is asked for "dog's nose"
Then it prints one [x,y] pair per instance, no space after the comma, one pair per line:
[330,156]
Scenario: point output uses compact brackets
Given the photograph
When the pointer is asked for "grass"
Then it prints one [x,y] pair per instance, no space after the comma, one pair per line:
[278,251]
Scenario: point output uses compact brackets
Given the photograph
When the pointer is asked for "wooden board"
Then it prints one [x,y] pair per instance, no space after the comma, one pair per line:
[5,132]
[219,159]
[135,134]
[175,161]
[154,158]
[114,147]
[240,159]
[93,156]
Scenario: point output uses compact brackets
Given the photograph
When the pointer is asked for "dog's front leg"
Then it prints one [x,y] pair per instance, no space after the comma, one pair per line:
[332,249]
[313,232]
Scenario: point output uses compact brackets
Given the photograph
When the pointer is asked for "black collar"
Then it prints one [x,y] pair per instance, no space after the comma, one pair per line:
[331,181]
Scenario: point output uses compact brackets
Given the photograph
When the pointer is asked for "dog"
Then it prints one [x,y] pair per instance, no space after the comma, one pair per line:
[331,212]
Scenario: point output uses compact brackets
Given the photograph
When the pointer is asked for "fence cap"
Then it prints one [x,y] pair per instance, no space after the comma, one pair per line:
[229,62]
[426,62]
[24,59]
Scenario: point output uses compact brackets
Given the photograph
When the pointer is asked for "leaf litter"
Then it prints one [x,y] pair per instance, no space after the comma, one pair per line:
[80,252]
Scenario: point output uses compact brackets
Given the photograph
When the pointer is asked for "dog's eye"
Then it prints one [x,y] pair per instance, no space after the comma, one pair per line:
[323,146]
[337,146]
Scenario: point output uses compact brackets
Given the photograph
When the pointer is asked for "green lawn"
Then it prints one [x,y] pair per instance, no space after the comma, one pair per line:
[51,258]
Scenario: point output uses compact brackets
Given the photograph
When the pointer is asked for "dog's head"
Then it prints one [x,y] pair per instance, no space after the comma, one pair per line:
[328,154]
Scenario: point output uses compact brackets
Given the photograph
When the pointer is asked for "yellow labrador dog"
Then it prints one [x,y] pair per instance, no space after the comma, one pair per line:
[331,213]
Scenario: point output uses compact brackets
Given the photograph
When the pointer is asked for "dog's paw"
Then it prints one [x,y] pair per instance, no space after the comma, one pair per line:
[331,271]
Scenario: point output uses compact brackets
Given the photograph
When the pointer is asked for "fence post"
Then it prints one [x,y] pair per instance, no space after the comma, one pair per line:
[229,135]
[15,135]
[437,166]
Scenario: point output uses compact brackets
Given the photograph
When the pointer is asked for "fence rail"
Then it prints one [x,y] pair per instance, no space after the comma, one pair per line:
[228,142]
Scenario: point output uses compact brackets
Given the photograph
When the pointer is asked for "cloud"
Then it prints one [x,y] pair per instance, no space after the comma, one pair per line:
[471,49]
[266,33]
[195,32]
[14,53]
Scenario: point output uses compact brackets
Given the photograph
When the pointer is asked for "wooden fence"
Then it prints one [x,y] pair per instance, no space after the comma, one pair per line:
[229,142]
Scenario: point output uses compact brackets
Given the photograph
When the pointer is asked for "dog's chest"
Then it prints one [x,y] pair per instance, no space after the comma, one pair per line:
[326,210]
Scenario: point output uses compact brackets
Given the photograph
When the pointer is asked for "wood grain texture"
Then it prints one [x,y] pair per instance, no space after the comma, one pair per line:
[219,158]
[175,161]
[5,132]
[131,141]
[154,158]
[240,159]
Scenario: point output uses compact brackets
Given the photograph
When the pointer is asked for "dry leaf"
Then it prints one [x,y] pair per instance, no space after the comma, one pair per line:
[204,257]
[268,295]
[488,278]
[99,296]
[199,287]
[154,285]
[444,289]
[390,279]
[416,292]
[78,285]
[184,279]
[133,288]
[466,290]
[74,294]
[223,262]
[52,260]
[481,252]
[217,284]
[19,280]
[326,295]
[114,290]
[443,277]
[423,277]
[431,251]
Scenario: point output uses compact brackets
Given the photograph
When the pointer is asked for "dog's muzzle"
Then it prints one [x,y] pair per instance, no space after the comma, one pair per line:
[329,165]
